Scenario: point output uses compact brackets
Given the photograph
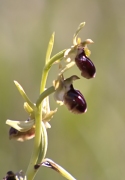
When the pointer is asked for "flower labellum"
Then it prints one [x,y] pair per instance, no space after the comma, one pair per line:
[21,136]
[85,65]
[75,101]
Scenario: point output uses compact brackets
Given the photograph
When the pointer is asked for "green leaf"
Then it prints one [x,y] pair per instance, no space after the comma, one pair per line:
[21,126]
[50,48]
[24,95]
[76,33]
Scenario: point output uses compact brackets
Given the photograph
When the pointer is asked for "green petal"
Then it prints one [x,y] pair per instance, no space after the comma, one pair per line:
[21,126]
[69,81]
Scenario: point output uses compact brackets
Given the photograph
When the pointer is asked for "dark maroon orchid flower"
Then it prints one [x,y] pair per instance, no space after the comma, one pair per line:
[85,65]
[75,101]
[72,98]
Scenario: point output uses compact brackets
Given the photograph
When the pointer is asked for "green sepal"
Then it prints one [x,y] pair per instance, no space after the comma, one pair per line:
[76,33]
[24,95]
[29,110]
[21,126]
[69,81]
[50,48]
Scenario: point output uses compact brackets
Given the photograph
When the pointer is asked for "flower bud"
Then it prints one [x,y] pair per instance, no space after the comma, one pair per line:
[75,101]
[85,65]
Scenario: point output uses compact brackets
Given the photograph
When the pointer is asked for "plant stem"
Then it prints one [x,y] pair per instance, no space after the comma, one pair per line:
[43,143]
[46,93]
[47,67]
[31,172]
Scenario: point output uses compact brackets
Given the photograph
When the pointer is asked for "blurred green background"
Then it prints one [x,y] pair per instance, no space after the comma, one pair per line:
[90,146]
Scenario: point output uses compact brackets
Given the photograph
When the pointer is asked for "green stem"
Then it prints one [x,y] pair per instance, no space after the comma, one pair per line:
[46,93]
[31,172]
[43,143]
[47,67]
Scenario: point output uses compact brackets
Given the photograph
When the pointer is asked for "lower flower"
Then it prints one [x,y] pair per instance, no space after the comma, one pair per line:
[75,101]
[66,94]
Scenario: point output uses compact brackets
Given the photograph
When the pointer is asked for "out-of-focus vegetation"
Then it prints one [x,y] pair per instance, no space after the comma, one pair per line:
[90,146]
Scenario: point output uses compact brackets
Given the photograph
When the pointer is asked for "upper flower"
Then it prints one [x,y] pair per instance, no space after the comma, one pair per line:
[85,65]
[80,53]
